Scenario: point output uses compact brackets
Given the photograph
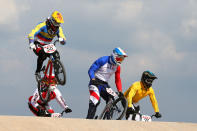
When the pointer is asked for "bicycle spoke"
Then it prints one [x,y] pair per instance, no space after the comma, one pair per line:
[59,72]
[118,109]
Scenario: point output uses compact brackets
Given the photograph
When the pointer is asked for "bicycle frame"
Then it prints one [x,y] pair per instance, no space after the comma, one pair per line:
[50,67]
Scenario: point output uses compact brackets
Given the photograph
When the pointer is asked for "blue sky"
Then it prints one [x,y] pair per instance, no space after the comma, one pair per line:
[159,36]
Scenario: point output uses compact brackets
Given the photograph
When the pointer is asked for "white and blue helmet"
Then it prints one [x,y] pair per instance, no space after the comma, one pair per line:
[118,55]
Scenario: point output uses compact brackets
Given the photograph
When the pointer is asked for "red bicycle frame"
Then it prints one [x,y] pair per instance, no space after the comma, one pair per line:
[50,67]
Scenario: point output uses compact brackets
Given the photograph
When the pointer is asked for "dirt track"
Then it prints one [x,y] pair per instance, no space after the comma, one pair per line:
[27,123]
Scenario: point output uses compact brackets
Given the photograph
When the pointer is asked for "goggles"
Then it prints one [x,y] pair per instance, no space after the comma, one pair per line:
[120,58]
[55,23]
[149,80]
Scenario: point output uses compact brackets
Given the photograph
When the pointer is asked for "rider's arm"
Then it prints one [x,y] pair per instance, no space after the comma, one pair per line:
[118,79]
[60,34]
[60,99]
[129,94]
[153,100]
[96,65]
[35,31]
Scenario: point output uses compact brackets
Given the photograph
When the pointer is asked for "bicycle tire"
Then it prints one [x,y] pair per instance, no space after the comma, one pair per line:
[59,68]
[109,110]
[40,91]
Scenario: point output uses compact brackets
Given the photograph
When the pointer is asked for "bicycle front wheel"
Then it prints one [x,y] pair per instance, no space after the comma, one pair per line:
[43,93]
[118,109]
[60,72]
[115,111]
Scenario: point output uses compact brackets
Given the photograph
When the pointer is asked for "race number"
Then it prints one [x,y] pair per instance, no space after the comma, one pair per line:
[50,48]
[146,118]
[111,92]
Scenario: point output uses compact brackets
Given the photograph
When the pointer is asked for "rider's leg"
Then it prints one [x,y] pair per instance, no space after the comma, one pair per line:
[91,110]
[41,57]
[38,111]
[94,101]
[104,94]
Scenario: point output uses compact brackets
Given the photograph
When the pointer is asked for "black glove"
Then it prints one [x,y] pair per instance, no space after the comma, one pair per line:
[63,42]
[129,111]
[157,115]
[67,110]
[121,95]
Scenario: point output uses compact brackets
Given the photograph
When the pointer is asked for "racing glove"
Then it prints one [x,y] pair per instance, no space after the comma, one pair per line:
[129,111]
[62,41]
[32,46]
[67,110]
[157,115]
[121,94]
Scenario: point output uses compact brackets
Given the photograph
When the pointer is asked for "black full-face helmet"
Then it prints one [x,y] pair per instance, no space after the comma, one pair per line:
[147,79]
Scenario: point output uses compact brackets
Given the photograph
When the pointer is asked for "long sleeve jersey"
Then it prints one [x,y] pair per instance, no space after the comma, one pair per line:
[41,35]
[103,70]
[137,91]
[56,94]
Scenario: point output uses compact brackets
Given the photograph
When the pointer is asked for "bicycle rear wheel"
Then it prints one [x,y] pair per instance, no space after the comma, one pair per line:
[116,110]
[60,72]
[44,93]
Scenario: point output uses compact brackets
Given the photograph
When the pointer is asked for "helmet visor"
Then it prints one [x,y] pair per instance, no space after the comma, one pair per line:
[149,81]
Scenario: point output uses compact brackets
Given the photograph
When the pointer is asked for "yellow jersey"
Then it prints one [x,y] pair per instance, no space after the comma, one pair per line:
[137,91]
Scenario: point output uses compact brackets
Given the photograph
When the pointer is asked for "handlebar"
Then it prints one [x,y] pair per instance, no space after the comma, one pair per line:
[38,43]
[55,42]
[62,113]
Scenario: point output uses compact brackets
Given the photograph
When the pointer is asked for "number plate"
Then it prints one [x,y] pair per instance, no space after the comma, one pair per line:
[111,92]
[50,48]
[146,118]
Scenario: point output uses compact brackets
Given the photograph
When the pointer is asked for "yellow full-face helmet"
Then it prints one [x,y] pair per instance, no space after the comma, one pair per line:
[53,23]
[57,18]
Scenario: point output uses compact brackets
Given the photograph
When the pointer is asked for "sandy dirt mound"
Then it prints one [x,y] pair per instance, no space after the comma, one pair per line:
[27,123]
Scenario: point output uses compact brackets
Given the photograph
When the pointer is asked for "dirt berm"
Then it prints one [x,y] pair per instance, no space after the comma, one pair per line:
[28,123]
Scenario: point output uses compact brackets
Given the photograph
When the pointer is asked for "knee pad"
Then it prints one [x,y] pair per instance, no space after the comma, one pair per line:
[94,104]
[94,94]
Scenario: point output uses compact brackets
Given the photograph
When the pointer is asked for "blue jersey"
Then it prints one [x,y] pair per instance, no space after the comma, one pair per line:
[103,69]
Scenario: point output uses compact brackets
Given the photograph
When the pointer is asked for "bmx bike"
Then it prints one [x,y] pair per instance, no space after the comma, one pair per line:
[116,107]
[53,65]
